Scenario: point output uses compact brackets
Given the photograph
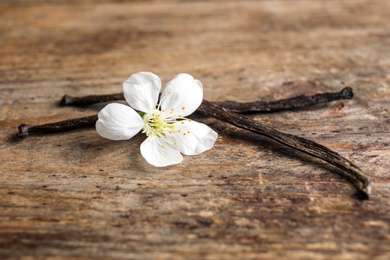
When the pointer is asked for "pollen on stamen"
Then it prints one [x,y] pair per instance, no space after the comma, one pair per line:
[162,145]
[183,108]
[182,123]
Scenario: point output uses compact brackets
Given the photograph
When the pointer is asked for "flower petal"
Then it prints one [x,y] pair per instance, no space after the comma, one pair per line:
[191,137]
[141,90]
[158,153]
[118,122]
[183,94]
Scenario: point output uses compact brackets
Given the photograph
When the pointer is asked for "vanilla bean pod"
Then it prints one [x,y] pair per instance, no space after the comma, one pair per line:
[285,104]
[238,107]
[257,106]
[304,145]
[89,100]
[61,126]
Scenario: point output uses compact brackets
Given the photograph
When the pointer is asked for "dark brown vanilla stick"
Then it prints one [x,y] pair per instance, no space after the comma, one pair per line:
[66,125]
[89,100]
[257,106]
[298,143]
[237,107]
[285,104]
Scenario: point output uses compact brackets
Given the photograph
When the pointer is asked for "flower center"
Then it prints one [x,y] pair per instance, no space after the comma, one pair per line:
[156,123]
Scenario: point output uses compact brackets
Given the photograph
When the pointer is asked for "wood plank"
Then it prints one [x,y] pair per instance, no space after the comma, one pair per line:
[77,195]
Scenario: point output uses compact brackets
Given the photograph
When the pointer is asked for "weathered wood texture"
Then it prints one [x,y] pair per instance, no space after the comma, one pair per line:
[77,195]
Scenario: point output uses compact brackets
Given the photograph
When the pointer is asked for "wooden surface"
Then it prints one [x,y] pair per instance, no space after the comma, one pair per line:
[77,195]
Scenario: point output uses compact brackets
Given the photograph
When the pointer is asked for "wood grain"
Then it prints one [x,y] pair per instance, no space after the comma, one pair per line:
[77,196]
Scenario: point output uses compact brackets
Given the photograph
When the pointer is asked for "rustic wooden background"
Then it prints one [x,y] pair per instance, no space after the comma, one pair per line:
[77,195]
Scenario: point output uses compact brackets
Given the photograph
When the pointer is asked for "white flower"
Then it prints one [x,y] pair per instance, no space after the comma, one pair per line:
[168,131]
